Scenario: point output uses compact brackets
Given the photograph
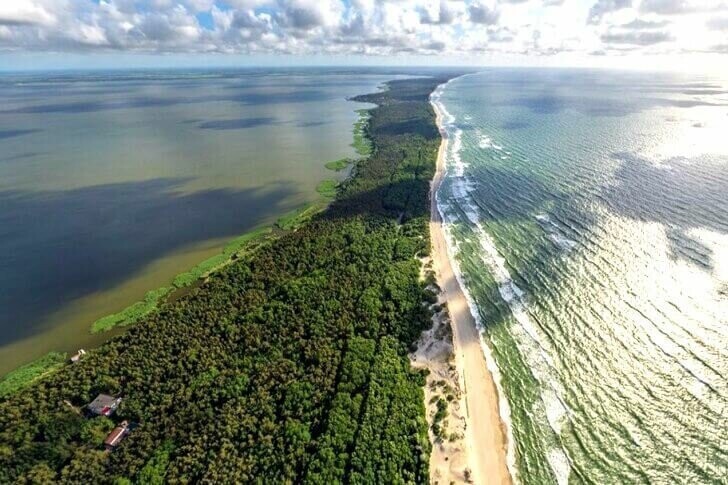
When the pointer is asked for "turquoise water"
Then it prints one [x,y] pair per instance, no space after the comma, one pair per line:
[588,215]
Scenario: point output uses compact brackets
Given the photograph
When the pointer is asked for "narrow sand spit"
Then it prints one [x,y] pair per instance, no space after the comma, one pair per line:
[474,409]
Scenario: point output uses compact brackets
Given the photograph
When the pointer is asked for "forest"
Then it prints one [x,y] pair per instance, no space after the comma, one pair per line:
[287,366]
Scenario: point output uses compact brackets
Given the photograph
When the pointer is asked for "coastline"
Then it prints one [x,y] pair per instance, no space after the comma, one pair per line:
[485,434]
[239,338]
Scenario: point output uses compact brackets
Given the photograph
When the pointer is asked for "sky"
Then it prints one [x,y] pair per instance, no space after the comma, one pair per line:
[632,34]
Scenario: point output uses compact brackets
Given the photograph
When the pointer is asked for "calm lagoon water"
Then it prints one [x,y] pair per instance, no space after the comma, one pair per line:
[112,183]
[589,214]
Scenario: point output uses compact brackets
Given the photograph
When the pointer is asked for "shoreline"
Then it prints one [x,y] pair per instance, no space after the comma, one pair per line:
[485,437]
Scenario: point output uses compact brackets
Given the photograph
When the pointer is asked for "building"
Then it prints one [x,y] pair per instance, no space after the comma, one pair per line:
[116,435]
[104,405]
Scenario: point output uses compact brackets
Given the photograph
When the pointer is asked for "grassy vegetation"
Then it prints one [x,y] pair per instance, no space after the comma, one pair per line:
[327,188]
[338,165]
[295,219]
[26,375]
[362,144]
[134,312]
[247,241]
[154,298]
[288,365]
[291,221]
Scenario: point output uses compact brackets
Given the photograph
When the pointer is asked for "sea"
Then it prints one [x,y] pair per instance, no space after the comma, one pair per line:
[587,217]
[113,182]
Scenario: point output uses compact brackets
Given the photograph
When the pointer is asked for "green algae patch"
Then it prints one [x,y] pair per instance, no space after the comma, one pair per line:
[338,165]
[327,188]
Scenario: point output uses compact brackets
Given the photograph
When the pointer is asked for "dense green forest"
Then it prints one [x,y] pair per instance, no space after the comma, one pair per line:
[288,365]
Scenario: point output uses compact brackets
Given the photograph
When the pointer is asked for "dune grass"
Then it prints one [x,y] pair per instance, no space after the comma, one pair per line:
[27,374]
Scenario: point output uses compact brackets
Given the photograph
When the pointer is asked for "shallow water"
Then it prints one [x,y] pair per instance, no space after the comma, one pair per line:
[112,183]
[589,214]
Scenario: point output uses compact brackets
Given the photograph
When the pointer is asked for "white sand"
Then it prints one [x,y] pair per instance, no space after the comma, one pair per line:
[483,448]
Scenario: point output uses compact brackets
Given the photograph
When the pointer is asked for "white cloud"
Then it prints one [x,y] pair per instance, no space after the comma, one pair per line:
[718,23]
[466,28]
[24,12]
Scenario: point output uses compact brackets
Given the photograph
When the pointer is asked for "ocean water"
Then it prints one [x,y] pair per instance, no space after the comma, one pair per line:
[587,213]
[113,182]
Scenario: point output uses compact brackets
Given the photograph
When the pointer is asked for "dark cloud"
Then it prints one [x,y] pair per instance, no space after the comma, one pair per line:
[500,34]
[666,7]
[719,49]
[642,38]
[639,24]
[676,7]
[301,18]
[603,7]
[445,15]
[435,46]
[718,23]
[480,13]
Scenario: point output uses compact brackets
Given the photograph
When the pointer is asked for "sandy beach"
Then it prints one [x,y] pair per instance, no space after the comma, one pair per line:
[484,442]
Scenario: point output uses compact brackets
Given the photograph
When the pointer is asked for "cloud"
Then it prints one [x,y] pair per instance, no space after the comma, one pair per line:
[718,23]
[465,28]
[441,14]
[480,13]
[677,7]
[24,12]
[646,38]
[665,7]
[603,7]
[309,14]
[719,49]
[500,34]
[640,24]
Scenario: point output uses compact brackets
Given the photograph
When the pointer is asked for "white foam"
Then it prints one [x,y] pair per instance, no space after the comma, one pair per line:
[559,463]
[531,343]
[452,248]
[485,142]
[554,233]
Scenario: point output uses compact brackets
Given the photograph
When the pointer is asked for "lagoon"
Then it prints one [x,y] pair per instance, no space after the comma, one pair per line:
[111,183]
